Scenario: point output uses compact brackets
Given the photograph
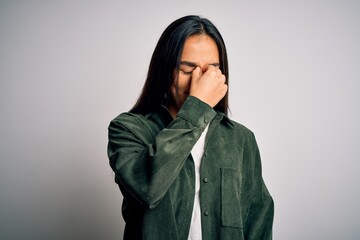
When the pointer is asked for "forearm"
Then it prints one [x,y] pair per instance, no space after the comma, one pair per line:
[146,166]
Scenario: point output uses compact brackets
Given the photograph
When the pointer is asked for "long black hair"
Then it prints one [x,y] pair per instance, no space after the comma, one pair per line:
[166,58]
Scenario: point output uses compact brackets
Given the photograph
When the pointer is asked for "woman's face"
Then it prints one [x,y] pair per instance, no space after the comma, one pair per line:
[199,51]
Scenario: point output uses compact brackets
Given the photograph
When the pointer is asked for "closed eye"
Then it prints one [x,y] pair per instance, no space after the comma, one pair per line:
[186,72]
[217,65]
[188,67]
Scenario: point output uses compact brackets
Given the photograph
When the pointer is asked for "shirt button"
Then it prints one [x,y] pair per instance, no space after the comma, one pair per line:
[205,180]
[206,120]
[206,213]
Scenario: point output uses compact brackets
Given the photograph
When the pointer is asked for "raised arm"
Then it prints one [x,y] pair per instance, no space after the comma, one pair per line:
[146,162]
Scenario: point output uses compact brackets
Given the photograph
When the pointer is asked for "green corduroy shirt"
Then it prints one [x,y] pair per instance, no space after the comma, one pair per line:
[150,155]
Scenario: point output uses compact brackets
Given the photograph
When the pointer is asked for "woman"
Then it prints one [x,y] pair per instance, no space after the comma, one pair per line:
[186,170]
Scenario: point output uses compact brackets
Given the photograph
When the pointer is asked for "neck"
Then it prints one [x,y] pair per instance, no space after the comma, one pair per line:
[173,111]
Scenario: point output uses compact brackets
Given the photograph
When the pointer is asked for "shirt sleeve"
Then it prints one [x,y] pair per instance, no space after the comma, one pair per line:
[259,222]
[145,167]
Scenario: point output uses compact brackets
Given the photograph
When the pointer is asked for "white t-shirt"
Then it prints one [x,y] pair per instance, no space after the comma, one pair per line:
[197,153]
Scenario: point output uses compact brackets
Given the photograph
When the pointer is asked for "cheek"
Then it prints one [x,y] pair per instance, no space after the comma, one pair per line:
[181,85]
[184,83]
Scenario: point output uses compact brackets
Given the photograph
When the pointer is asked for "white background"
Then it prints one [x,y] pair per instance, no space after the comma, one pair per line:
[68,67]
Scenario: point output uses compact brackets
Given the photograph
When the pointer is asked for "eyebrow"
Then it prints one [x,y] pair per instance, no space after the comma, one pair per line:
[191,64]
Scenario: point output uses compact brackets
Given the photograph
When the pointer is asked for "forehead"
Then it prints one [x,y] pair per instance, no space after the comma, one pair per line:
[200,49]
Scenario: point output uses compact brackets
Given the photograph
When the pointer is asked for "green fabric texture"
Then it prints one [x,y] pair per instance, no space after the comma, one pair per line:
[150,155]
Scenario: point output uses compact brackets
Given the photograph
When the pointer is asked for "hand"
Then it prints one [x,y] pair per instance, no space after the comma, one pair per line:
[209,86]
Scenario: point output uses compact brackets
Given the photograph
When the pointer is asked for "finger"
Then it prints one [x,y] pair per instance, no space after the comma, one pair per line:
[209,68]
[196,74]
[223,78]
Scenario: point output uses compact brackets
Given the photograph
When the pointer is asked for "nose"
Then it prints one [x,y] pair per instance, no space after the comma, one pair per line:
[205,68]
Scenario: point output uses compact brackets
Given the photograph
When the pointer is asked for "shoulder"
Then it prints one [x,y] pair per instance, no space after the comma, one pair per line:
[237,131]
[237,127]
[135,122]
[127,117]
[128,120]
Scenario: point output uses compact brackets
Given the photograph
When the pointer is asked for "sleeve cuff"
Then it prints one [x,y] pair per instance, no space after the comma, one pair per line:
[197,112]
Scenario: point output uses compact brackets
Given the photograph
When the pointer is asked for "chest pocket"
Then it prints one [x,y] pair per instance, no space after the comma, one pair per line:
[230,198]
